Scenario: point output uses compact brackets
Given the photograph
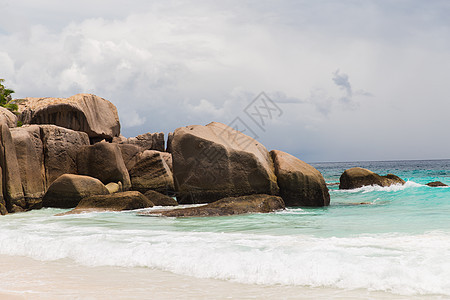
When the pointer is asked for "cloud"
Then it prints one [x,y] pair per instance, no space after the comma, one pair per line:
[172,63]
[341,80]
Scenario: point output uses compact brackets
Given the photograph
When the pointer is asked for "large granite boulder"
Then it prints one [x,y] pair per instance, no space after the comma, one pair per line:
[34,133]
[83,112]
[151,172]
[7,117]
[130,154]
[216,161]
[159,199]
[300,183]
[103,161]
[12,183]
[69,189]
[230,206]
[357,177]
[30,166]
[60,148]
[115,202]
[55,147]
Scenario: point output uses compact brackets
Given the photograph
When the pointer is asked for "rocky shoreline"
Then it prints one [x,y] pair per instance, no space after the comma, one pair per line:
[70,150]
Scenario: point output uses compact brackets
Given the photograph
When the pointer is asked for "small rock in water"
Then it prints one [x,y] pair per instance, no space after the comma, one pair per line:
[357,177]
[436,184]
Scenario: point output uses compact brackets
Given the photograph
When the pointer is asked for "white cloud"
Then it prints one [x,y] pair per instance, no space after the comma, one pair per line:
[174,63]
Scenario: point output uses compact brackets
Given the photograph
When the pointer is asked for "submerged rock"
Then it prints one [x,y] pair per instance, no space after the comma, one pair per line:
[231,206]
[436,184]
[82,112]
[300,183]
[68,190]
[358,177]
[114,202]
[159,199]
[216,161]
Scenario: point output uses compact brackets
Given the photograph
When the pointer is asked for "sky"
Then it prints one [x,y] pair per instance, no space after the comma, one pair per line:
[323,80]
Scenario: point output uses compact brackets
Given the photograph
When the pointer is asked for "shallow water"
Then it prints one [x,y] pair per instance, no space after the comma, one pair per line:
[398,244]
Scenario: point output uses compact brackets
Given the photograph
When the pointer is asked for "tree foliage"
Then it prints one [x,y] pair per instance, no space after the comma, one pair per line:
[5,97]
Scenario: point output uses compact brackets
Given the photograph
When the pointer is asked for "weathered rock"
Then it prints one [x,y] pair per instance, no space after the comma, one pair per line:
[119,139]
[168,159]
[3,210]
[8,117]
[169,142]
[149,141]
[34,132]
[300,183]
[103,161]
[30,167]
[215,161]
[83,112]
[159,199]
[151,172]
[114,202]
[130,154]
[358,177]
[60,147]
[146,141]
[69,189]
[113,187]
[231,206]
[12,184]
[436,184]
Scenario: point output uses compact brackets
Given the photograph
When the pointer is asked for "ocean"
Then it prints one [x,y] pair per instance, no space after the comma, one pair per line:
[370,243]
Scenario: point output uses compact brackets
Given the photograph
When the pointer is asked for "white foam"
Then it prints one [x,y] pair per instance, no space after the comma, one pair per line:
[402,264]
[376,188]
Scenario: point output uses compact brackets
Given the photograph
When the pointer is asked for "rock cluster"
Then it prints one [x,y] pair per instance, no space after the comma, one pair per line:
[69,153]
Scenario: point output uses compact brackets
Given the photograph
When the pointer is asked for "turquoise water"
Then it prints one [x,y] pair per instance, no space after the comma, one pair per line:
[398,241]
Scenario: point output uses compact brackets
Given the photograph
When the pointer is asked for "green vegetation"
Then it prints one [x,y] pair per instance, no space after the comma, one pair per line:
[6,99]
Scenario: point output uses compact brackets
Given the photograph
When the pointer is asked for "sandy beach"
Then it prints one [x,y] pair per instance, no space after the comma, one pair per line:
[25,278]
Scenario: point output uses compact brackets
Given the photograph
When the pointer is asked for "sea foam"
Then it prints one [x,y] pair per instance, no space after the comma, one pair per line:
[400,263]
[377,188]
